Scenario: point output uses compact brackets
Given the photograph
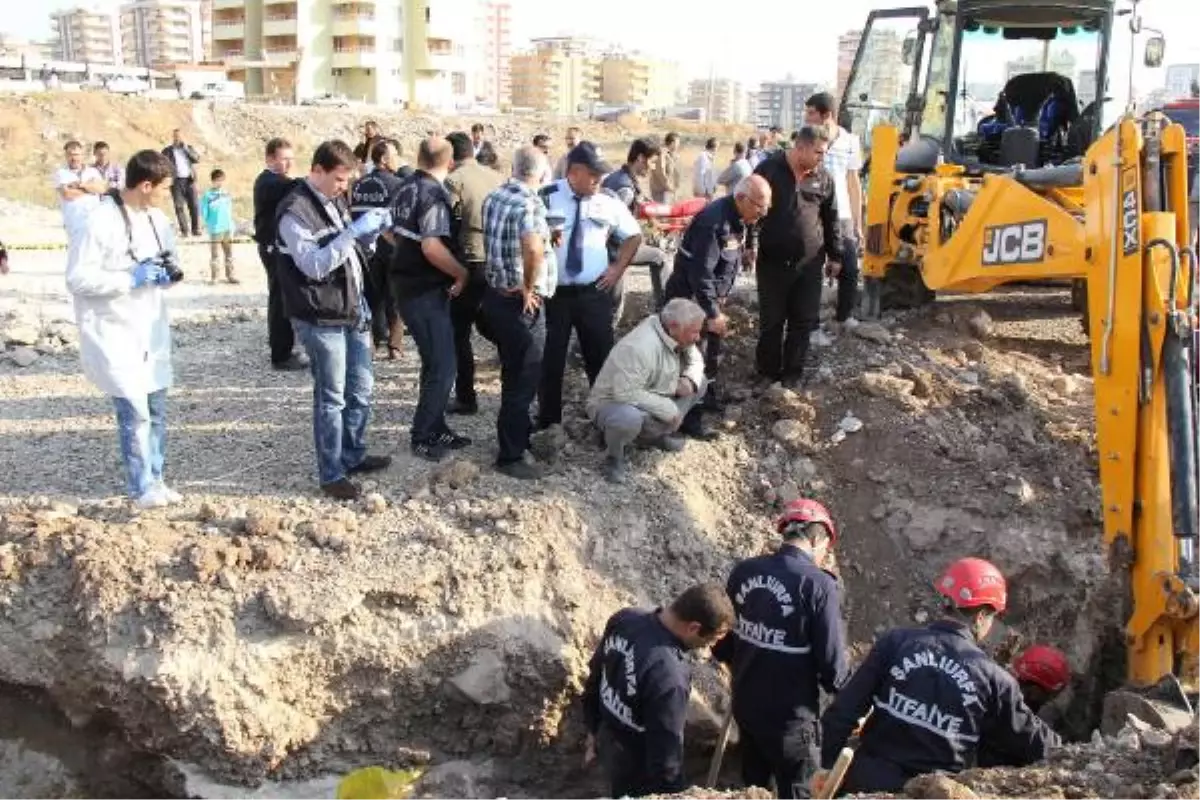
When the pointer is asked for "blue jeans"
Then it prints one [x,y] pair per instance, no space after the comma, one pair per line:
[427,317]
[343,378]
[143,441]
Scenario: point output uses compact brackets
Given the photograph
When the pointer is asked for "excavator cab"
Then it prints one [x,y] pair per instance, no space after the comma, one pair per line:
[990,164]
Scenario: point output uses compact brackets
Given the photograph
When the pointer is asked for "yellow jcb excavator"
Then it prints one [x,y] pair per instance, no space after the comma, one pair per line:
[964,195]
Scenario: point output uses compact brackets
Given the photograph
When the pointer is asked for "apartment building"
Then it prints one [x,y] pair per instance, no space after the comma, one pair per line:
[1182,80]
[847,47]
[782,103]
[722,99]
[161,32]
[206,15]
[560,75]
[406,52]
[639,81]
[86,33]
[494,73]
[17,47]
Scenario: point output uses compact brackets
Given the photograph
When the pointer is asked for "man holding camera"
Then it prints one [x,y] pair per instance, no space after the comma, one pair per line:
[124,259]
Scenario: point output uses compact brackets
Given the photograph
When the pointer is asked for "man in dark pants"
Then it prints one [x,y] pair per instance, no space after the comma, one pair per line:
[938,699]
[787,646]
[425,278]
[708,261]
[582,219]
[796,243]
[377,189]
[183,158]
[521,275]
[624,184]
[468,184]
[843,162]
[270,187]
[636,696]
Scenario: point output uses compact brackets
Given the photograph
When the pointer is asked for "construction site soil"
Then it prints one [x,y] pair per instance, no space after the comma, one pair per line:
[261,640]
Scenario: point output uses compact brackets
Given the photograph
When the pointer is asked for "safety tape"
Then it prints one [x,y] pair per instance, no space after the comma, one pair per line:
[178,242]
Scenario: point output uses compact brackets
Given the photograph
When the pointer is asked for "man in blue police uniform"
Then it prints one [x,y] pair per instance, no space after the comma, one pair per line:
[786,647]
[636,696]
[708,260]
[582,220]
[377,189]
[938,698]
[623,183]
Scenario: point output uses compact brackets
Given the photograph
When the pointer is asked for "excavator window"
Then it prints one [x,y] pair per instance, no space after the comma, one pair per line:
[1022,93]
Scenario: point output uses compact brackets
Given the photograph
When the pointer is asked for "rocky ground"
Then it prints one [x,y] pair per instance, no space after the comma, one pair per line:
[260,639]
[262,635]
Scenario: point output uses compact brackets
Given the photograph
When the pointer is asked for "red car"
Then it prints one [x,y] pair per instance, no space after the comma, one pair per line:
[1187,114]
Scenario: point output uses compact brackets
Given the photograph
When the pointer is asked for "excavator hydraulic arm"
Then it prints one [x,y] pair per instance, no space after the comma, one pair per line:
[1119,221]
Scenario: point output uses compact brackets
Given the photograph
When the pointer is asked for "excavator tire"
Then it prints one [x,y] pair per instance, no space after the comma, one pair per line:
[903,287]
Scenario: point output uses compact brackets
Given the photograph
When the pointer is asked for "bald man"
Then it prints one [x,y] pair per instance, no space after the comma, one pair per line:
[708,261]
[425,275]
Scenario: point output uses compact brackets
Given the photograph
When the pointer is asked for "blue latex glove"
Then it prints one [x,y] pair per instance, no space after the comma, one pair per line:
[148,272]
[371,223]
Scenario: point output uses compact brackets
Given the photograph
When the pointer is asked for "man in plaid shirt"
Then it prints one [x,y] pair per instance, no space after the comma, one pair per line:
[521,273]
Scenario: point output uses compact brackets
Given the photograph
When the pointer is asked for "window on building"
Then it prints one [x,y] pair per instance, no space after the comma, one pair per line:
[458,81]
[426,15]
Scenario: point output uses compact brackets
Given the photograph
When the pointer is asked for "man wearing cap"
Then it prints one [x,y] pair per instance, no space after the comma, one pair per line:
[708,260]
[786,647]
[582,221]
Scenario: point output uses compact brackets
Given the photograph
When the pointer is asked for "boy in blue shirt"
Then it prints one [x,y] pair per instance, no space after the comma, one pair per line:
[217,209]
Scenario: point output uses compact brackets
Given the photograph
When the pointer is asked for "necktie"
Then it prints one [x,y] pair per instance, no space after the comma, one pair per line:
[575,243]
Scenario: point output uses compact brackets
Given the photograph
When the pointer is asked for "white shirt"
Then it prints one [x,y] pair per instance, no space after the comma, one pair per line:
[76,211]
[704,177]
[183,167]
[844,154]
[124,333]
[602,215]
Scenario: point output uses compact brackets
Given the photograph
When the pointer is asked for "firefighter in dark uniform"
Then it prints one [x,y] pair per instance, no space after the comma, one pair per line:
[377,189]
[623,184]
[636,696]
[787,646]
[707,263]
[938,698]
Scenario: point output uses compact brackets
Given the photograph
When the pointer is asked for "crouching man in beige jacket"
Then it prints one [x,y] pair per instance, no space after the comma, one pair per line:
[650,387]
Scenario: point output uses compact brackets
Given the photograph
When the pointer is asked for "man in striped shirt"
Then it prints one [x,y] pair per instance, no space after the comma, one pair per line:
[521,273]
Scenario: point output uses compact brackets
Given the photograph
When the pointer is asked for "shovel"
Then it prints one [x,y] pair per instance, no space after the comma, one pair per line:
[714,767]
[837,773]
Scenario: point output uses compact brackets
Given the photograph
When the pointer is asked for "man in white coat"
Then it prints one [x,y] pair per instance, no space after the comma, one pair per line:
[125,258]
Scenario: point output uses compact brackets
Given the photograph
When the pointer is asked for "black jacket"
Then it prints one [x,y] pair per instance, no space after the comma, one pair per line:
[709,256]
[420,210]
[637,689]
[937,697]
[334,300]
[269,190]
[802,226]
[192,156]
[377,189]
[788,642]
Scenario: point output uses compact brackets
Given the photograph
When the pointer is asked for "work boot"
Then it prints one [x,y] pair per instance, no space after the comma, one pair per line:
[616,469]
[342,489]
[521,470]
[463,407]
[371,464]
[693,427]
[453,441]
[668,444]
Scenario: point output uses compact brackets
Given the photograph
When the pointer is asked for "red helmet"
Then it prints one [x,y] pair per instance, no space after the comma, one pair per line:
[804,510]
[1044,665]
[973,582]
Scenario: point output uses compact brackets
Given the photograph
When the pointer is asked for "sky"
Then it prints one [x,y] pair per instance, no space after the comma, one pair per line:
[766,40]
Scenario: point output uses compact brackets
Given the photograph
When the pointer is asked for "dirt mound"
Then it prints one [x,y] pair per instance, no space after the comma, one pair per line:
[232,136]
[257,633]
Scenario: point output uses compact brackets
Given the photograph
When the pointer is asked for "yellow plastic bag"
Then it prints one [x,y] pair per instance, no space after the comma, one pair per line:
[377,783]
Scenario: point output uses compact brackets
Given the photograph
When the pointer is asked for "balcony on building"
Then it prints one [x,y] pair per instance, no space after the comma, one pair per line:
[221,5]
[280,49]
[279,20]
[355,52]
[356,19]
[229,24]
[229,50]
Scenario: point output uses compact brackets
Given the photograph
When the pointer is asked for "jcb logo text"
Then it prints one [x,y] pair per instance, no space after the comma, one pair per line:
[1019,243]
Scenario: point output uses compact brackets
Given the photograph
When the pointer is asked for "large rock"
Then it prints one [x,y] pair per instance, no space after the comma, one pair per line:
[483,681]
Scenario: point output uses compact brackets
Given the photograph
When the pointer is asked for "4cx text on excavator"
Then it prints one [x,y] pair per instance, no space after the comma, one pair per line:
[964,195]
